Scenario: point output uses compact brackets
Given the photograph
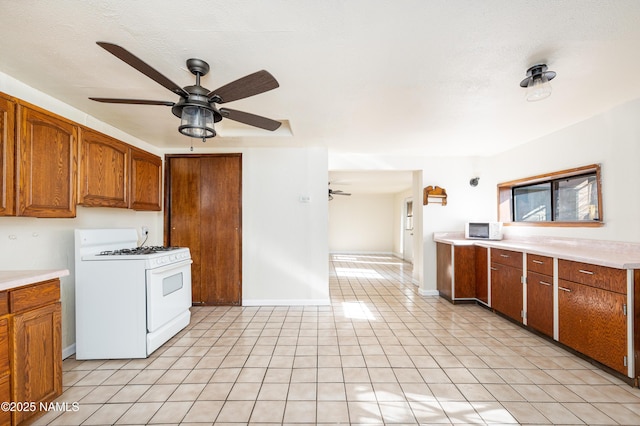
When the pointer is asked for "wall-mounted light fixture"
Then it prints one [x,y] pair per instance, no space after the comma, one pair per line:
[537,82]
[474,181]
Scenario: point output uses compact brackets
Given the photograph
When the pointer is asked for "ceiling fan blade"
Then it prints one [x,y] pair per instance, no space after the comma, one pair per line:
[132,101]
[252,84]
[137,63]
[250,119]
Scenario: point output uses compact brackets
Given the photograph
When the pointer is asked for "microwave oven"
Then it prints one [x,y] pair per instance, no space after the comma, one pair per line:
[483,230]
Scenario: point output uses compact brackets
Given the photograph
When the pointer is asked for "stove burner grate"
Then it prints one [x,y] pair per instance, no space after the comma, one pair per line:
[136,250]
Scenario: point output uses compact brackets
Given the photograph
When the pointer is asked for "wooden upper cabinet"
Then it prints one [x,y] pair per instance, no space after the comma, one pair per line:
[146,178]
[104,171]
[7,159]
[47,167]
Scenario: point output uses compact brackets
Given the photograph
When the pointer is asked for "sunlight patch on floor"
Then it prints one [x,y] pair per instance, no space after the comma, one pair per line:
[357,310]
[358,273]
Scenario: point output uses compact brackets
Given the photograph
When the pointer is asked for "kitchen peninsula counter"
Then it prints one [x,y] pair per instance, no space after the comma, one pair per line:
[614,254]
[13,279]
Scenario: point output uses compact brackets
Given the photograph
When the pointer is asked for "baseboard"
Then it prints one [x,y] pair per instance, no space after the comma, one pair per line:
[286,302]
[68,351]
[363,253]
[422,292]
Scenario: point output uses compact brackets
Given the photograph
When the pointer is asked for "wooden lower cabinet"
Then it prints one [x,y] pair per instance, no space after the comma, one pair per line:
[5,372]
[30,349]
[456,271]
[506,290]
[37,357]
[593,322]
[482,274]
[540,302]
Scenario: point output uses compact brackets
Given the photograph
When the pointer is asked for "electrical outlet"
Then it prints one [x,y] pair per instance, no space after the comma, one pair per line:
[145,231]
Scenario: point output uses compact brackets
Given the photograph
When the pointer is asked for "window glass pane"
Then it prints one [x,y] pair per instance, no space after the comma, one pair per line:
[532,203]
[576,199]
[409,218]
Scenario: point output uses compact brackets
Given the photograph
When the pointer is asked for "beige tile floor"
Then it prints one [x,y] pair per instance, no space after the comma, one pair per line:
[380,354]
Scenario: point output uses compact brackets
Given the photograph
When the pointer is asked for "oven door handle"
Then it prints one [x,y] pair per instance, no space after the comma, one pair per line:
[170,266]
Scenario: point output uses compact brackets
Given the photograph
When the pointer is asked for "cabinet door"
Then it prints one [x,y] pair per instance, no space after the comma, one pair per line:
[444,263]
[7,156]
[5,386]
[464,259]
[104,171]
[540,302]
[146,175]
[37,357]
[47,147]
[506,290]
[593,321]
[482,278]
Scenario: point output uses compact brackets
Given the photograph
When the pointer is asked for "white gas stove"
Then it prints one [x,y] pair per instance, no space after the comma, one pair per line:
[129,299]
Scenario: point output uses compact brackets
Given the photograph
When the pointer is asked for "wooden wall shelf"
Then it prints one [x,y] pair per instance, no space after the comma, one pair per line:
[434,194]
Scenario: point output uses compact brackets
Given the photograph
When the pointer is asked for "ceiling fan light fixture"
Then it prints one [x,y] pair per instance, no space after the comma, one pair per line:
[537,83]
[197,122]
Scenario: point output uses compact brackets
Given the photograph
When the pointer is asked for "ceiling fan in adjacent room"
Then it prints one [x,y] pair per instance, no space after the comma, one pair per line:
[336,192]
[197,106]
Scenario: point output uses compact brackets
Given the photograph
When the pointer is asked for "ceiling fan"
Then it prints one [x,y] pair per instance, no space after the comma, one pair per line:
[336,192]
[197,106]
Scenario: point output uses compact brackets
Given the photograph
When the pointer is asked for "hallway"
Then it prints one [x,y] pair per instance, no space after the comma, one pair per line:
[379,354]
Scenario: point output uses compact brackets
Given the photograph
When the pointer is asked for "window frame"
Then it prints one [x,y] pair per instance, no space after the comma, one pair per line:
[505,197]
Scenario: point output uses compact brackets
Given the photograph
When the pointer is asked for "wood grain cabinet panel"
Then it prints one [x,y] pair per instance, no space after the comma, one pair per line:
[444,272]
[482,274]
[456,273]
[506,257]
[540,264]
[593,275]
[104,171]
[5,372]
[47,150]
[540,302]
[5,395]
[506,290]
[7,156]
[146,178]
[593,322]
[37,357]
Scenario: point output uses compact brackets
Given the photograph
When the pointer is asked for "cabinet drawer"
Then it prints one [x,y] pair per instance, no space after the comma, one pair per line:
[36,295]
[4,303]
[540,264]
[507,257]
[593,275]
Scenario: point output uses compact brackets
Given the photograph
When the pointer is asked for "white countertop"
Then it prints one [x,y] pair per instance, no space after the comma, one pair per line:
[13,279]
[613,254]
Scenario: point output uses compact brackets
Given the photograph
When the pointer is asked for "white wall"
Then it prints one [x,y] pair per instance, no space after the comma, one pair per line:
[285,244]
[362,223]
[611,139]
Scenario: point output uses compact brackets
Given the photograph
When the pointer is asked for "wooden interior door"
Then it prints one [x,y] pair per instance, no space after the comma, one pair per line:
[204,213]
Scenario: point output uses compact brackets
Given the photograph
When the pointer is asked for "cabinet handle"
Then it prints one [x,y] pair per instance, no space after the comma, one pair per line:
[545,283]
[504,255]
[568,290]
[585,272]
[539,262]
[494,269]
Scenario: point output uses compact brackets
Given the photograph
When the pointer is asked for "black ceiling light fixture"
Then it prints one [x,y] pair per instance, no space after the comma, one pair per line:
[537,82]
[196,107]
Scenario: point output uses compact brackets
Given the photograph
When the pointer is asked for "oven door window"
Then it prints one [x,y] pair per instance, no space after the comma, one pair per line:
[168,294]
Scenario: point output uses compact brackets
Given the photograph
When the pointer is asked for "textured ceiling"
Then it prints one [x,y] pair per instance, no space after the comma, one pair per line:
[406,77]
